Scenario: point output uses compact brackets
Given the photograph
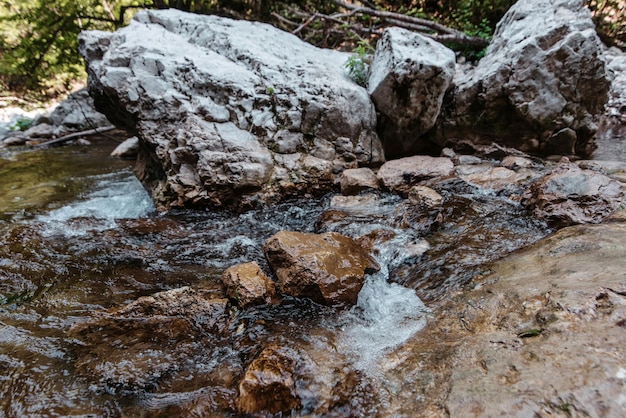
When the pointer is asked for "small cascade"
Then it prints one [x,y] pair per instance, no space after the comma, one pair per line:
[114,196]
[386,315]
[93,242]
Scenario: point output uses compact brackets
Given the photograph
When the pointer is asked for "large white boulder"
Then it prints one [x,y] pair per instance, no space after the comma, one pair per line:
[539,86]
[229,113]
[408,78]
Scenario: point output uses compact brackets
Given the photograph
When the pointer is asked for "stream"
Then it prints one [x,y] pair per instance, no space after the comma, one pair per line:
[79,236]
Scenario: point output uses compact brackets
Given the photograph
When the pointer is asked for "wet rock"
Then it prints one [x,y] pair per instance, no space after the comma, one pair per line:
[354,204]
[612,169]
[402,174]
[248,284]
[499,178]
[536,335]
[377,236]
[423,196]
[136,346]
[541,83]
[229,113]
[269,384]
[354,181]
[128,149]
[408,77]
[181,302]
[467,160]
[570,195]
[328,268]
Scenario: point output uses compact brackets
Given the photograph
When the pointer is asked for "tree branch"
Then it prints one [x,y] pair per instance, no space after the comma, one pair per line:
[74,135]
[442,32]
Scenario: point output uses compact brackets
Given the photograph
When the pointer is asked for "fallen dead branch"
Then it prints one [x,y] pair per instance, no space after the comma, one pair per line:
[75,135]
[348,23]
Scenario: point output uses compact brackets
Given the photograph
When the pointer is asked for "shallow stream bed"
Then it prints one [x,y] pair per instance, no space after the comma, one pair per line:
[79,236]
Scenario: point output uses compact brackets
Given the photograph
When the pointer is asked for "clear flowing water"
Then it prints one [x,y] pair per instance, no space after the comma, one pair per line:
[79,236]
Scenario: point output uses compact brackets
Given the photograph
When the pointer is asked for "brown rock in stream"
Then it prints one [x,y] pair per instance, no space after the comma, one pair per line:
[269,384]
[248,284]
[140,344]
[328,268]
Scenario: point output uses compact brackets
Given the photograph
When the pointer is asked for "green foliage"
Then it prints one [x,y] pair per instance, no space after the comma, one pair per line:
[39,50]
[21,124]
[358,63]
[610,19]
[473,17]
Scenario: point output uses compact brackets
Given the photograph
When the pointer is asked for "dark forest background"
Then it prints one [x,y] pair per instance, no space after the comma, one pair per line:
[38,45]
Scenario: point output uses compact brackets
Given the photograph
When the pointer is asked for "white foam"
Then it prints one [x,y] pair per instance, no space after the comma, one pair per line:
[386,314]
[114,196]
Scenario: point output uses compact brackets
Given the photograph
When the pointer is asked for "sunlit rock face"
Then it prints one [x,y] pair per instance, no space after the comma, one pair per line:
[229,113]
[540,84]
[408,78]
[328,268]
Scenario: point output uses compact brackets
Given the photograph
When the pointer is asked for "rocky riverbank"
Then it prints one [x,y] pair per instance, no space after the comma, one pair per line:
[311,307]
[540,333]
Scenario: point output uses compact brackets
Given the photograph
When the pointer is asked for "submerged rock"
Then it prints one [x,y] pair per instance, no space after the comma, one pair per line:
[229,112]
[269,384]
[408,78]
[248,285]
[541,83]
[328,268]
[136,346]
[570,195]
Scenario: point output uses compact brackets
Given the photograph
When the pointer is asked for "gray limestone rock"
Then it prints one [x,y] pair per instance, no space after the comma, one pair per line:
[221,107]
[570,195]
[539,86]
[408,78]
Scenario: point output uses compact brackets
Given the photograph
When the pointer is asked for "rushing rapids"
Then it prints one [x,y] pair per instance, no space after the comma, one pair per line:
[80,238]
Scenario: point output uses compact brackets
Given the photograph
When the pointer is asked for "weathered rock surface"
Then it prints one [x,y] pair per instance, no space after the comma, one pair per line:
[540,335]
[355,180]
[402,174]
[423,196]
[248,285]
[541,82]
[615,170]
[229,112]
[498,178]
[327,268]
[269,384]
[611,136]
[408,78]
[570,195]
